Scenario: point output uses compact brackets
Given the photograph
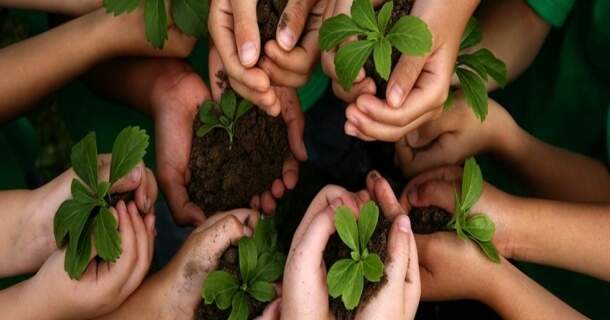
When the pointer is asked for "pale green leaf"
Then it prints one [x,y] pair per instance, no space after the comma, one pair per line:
[347,228]
[480,227]
[367,222]
[472,35]
[155,21]
[349,60]
[382,56]
[372,268]
[338,276]
[264,234]
[355,285]
[118,7]
[219,286]
[270,267]
[490,250]
[128,150]
[410,35]
[474,90]
[364,15]
[191,16]
[384,15]
[84,160]
[337,29]
[239,307]
[247,258]
[472,184]
[262,291]
[106,236]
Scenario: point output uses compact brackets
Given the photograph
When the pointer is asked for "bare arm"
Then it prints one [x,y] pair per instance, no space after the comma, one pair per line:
[69,7]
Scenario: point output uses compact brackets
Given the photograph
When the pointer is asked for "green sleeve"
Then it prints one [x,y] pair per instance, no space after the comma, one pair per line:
[554,12]
[313,89]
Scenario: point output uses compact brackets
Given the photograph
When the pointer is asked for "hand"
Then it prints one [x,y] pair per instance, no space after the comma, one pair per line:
[456,135]
[418,86]
[104,285]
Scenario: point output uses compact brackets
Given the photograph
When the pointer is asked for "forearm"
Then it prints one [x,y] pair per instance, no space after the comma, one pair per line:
[69,7]
[13,214]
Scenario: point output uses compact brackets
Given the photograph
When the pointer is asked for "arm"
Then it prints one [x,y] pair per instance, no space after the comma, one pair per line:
[69,7]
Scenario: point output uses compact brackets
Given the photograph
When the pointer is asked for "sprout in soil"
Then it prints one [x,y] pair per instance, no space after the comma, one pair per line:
[260,264]
[190,16]
[346,276]
[225,115]
[410,35]
[86,218]
[475,226]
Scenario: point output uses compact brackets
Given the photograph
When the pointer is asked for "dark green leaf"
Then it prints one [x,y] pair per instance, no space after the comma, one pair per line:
[338,276]
[70,219]
[224,121]
[219,286]
[410,35]
[337,29]
[490,250]
[247,258]
[472,184]
[243,107]
[78,254]
[364,15]
[102,189]
[383,17]
[472,34]
[191,16]
[239,306]
[206,113]
[117,7]
[262,291]
[264,232]
[367,222]
[346,227]
[355,285]
[349,60]
[474,91]
[449,102]
[372,268]
[480,227]
[228,103]
[270,267]
[129,148]
[84,160]
[475,64]
[107,238]
[155,20]
[80,193]
[382,56]
[494,66]
[206,128]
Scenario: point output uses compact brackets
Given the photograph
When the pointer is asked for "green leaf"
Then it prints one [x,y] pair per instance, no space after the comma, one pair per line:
[338,276]
[247,258]
[191,16]
[449,102]
[494,66]
[262,291]
[219,286]
[346,227]
[70,220]
[473,63]
[81,194]
[206,128]
[84,160]
[155,20]
[79,250]
[243,107]
[239,307]
[107,238]
[349,60]
[474,91]
[224,121]
[355,285]
[472,35]
[337,29]
[382,56]
[372,267]
[270,267]
[490,250]
[102,189]
[472,185]
[367,222]
[480,227]
[410,35]
[364,15]
[129,148]
[117,7]
[384,15]
[228,103]
[206,113]
[264,232]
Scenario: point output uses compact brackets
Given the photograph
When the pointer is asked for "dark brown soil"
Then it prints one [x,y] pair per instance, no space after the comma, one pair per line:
[335,250]
[429,219]
[269,13]
[401,8]
[228,262]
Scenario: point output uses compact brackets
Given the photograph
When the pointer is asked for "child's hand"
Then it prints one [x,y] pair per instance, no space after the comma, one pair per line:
[456,135]
[104,285]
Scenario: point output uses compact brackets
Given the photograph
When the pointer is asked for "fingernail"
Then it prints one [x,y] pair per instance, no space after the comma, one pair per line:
[363,107]
[247,53]
[404,224]
[374,175]
[350,130]
[136,174]
[412,196]
[395,96]
[247,231]
[336,203]
[353,119]
[286,38]
[413,137]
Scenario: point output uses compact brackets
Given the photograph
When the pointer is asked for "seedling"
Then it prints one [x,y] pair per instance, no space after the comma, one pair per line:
[346,276]
[225,116]
[477,227]
[473,70]
[260,264]
[86,220]
[410,35]
[190,16]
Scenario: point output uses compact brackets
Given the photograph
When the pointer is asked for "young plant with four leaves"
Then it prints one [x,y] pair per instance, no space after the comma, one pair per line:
[410,35]
[260,264]
[225,116]
[475,226]
[473,70]
[346,276]
[190,16]
[86,220]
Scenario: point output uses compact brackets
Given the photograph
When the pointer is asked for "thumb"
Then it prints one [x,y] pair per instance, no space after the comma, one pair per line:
[293,22]
[402,263]
[403,78]
[246,31]
[272,311]
[380,190]
[433,193]
[131,181]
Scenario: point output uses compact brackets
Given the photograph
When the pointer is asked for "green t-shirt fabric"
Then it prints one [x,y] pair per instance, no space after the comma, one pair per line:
[563,99]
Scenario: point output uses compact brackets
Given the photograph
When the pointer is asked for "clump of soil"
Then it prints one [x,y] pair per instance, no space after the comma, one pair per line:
[229,262]
[429,219]
[269,13]
[336,250]
[401,8]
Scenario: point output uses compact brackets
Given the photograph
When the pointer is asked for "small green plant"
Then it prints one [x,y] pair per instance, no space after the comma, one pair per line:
[190,16]
[346,276]
[410,35]
[260,264]
[478,227]
[473,70]
[225,116]
[86,220]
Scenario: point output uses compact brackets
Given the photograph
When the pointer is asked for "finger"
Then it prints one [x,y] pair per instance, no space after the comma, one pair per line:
[183,210]
[447,173]
[290,173]
[255,202]
[247,35]
[267,100]
[217,73]
[215,240]
[382,191]
[124,266]
[351,130]
[433,193]
[245,216]
[403,78]
[330,197]
[403,155]
[130,182]
[445,151]
[146,194]
[293,22]
[430,131]
[277,188]
[285,60]
[143,241]
[365,86]
[402,253]
[272,311]
[309,250]
[268,203]
[295,121]
[282,77]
